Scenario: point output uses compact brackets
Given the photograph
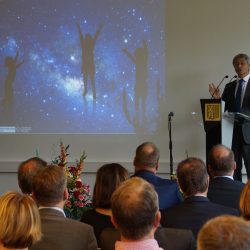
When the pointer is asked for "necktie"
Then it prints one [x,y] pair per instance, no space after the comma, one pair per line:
[238,96]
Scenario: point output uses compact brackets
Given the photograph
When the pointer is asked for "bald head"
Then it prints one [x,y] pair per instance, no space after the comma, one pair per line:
[221,161]
[135,208]
[27,171]
[146,157]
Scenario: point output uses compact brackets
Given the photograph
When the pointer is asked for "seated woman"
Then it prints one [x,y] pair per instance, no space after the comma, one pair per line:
[20,221]
[108,178]
[245,202]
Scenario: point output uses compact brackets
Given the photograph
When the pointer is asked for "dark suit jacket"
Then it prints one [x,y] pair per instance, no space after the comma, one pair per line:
[225,191]
[167,238]
[229,97]
[193,213]
[167,190]
[60,233]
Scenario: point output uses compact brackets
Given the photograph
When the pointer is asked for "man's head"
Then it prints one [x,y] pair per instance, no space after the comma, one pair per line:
[241,63]
[224,233]
[50,186]
[221,161]
[147,157]
[193,177]
[26,172]
[135,209]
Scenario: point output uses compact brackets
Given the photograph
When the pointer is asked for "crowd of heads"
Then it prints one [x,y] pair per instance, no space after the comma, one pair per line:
[134,202]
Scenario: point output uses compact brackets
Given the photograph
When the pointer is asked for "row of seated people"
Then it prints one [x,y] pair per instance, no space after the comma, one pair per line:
[135,213]
[189,214]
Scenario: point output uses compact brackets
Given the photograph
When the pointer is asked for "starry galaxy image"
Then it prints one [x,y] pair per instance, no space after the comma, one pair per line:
[82,66]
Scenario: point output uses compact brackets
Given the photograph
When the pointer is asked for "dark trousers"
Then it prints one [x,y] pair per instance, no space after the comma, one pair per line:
[241,151]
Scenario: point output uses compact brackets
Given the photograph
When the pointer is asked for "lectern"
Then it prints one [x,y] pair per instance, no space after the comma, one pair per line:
[217,125]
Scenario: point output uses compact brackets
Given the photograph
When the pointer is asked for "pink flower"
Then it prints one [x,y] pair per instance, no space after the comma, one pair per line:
[80,204]
[81,197]
[68,203]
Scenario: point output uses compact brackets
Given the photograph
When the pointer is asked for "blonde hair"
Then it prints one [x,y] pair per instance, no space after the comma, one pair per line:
[245,201]
[19,220]
[224,232]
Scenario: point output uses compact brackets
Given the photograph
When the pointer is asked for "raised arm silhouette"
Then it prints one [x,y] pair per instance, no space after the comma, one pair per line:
[12,65]
[88,63]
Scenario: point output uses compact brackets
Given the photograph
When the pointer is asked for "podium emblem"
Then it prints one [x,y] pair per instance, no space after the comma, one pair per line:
[212,112]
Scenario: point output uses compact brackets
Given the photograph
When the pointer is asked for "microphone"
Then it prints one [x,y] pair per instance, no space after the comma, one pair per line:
[217,88]
[235,76]
[170,115]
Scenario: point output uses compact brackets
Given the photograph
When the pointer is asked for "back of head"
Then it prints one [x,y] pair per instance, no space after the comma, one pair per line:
[192,176]
[221,160]
[49,185]
[134,208]
[147,156]
[245,201]
[224,233]
[108,178]
[19,220]
[26,172]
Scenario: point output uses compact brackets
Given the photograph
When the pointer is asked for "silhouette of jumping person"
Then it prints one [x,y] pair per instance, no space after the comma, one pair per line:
[140,59]
[88,63]
[12,65]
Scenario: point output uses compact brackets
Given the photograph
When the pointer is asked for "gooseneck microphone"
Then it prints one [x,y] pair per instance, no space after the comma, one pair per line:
[235,76]
[217,88]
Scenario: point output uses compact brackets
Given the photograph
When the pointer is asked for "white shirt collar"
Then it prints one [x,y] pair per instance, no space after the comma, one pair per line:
[227,176]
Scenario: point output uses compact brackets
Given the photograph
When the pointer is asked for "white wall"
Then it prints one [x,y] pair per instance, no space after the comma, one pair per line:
[202,38]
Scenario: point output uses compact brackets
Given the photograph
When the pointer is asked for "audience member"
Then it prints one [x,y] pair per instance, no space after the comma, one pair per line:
[20,221]
[196,209]
[146,164]
[245,202]
[135,213]
[224,233]
[58,232]
[167,238]
[223,189]
[26,172]
[108,178]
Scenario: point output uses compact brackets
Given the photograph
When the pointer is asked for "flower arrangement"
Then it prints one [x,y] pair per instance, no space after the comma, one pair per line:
[79,199]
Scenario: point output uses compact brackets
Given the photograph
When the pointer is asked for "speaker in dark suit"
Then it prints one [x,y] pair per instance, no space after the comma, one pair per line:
[236,95]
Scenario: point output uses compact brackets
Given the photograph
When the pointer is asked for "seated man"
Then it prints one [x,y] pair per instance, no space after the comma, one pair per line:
[58,232]
[196,209]
[224,233]
[223,189]
[26,172]
[146,164]
[135,213]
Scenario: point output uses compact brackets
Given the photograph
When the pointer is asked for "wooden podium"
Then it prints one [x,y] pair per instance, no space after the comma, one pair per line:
[218,125]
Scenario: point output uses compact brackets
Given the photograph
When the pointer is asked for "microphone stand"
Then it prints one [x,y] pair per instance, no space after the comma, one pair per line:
[170,145]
